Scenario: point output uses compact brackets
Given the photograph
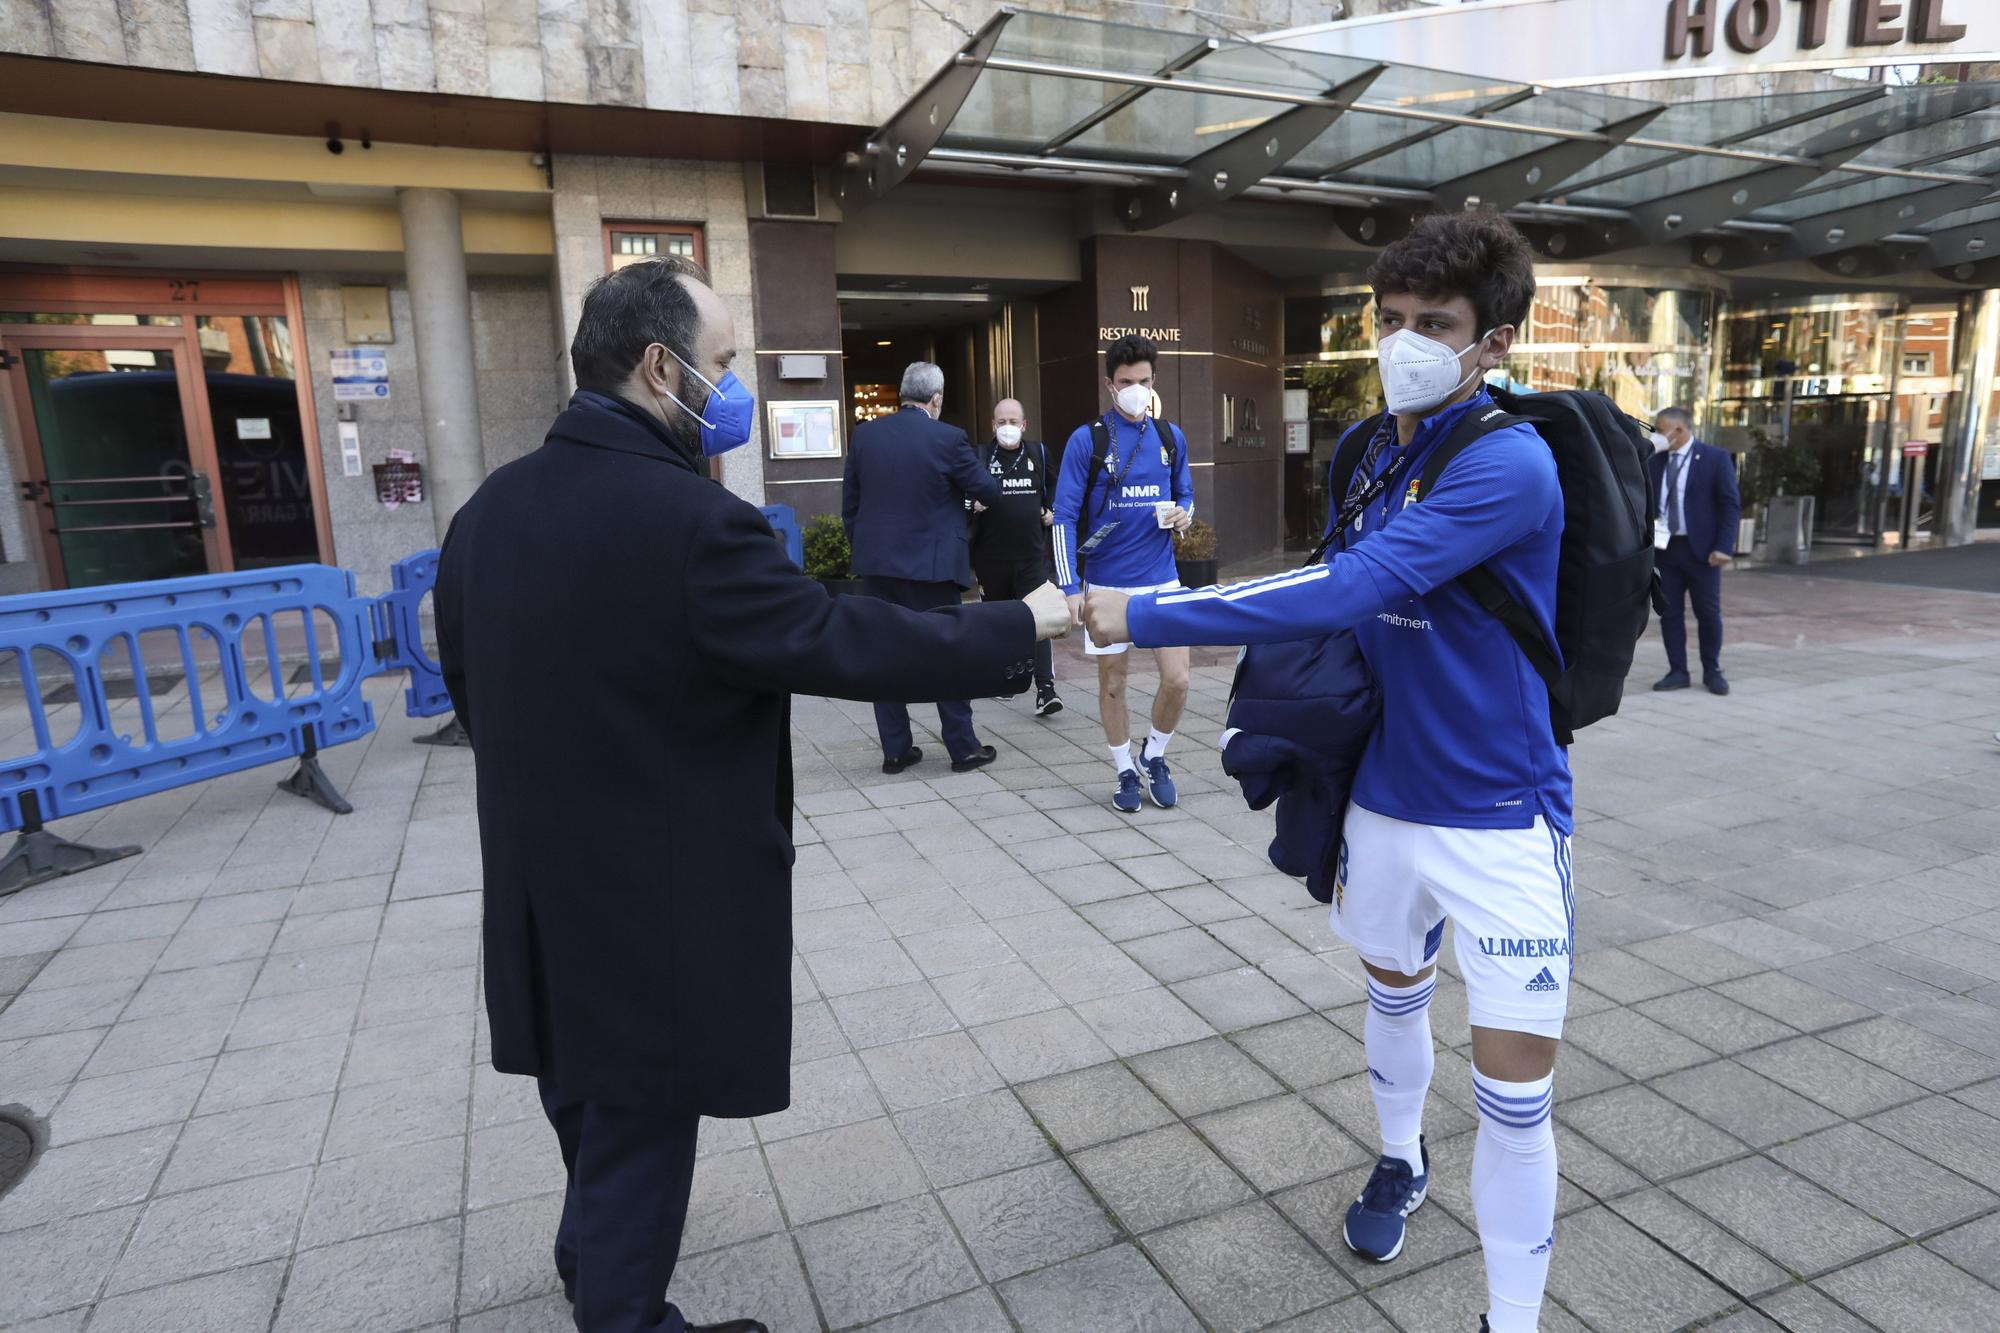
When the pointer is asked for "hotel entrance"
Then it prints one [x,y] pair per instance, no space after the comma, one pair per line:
[160,425]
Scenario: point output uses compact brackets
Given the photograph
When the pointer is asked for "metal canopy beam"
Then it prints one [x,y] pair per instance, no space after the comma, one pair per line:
[1233,166]
[1755,132]
[1705,206]
[1498,104]
[1839,229]
[1399,112]
[1975,244]
[1130,95]
[899,147]
[1519,179]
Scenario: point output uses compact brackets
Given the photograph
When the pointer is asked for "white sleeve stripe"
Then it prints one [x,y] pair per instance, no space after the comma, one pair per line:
[1284,578]
[1242,591]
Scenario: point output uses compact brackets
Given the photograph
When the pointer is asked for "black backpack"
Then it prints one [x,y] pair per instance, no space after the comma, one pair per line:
[1604,581]
[1100,450]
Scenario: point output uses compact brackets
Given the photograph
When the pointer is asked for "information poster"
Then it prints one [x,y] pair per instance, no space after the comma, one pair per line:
[803,429]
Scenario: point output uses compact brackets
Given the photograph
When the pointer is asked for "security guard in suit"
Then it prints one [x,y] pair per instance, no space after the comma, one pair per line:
[1698,515]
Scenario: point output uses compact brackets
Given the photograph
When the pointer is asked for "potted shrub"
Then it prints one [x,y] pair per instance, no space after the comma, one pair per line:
[827,554]
[1194,554]
[1779,477]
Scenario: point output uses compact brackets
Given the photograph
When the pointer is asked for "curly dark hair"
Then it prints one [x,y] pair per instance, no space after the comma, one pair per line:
[1130,350]
[1479,256]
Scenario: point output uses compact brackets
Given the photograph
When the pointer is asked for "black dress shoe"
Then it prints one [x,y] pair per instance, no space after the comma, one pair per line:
[979,758]
[903,760]
[1715,681]
[1673,680]
[730,1326]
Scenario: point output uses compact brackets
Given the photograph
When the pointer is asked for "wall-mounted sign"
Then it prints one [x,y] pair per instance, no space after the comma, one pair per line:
[1298,437]
[1572,43]
[1242,426]
[1749,26]
[360,375]
[1111,333]
[803,430]
[1916,448]
[253,428]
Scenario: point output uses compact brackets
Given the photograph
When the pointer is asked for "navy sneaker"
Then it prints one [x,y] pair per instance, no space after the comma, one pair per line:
[1127,800]
[1160,783]
[1374,1227]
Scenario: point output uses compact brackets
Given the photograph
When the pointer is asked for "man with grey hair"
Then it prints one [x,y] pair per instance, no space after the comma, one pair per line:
[903,501]
[1694,536]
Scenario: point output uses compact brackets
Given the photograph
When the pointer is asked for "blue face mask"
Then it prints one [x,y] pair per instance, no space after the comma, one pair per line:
[727,415]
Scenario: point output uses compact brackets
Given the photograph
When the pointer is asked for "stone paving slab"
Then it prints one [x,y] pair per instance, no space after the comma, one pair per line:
[1061,1069]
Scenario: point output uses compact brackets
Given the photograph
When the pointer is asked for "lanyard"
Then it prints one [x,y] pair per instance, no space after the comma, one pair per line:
[1111,467]
[1353,507]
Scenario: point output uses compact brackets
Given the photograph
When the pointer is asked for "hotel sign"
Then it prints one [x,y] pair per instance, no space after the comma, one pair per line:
[1572,44]
[1752,26]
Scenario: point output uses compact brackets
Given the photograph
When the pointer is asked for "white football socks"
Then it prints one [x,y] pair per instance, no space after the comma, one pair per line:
[1156,744]
[1397,1031]
[1121,758]
[1514,1196]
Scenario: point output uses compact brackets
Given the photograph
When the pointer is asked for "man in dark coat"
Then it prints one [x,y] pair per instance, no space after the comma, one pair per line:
[620,637]
[903,500]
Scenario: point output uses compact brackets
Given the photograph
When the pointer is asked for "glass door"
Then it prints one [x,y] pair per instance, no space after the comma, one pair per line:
[118,493]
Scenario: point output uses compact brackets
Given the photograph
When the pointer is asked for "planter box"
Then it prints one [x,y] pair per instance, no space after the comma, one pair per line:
[1195,573]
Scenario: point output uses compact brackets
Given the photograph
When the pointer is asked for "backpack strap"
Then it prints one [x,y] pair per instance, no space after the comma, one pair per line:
[1100,451]
[1484,586]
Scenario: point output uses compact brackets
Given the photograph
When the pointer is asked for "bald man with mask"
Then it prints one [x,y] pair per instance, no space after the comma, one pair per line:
[1010,540]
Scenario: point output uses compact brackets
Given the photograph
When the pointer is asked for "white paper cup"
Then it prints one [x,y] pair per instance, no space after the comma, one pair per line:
[1163,513]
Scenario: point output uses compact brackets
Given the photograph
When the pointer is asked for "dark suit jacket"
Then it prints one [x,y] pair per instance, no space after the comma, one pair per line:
[620,636]
[902,499]
[1712,506]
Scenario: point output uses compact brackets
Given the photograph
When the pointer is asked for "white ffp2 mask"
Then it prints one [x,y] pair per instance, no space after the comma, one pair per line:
[1007,435]
[1418,373]
[1134,400]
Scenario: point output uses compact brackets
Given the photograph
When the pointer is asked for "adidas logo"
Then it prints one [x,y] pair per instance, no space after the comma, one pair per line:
[1546,1245]
[1544,982]
[1376,1076]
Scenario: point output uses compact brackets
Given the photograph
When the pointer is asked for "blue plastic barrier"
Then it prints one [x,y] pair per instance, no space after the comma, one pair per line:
[400,634]
[233,726]
[785,522]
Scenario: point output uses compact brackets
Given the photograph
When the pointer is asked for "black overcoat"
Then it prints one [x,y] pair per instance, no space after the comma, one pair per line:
[621,637]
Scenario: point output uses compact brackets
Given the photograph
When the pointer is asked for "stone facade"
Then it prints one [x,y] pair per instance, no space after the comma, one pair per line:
[519,394]
[847,61]
[589,191]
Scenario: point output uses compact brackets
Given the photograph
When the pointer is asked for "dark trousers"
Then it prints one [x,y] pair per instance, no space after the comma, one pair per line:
[1005,580]
[627,1200]
[1684,573]
[892,721]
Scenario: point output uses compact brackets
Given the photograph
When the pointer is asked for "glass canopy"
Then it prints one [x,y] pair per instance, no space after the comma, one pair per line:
[1084,99]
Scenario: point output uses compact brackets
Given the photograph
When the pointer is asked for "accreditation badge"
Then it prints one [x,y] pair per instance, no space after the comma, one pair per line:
[1166,459]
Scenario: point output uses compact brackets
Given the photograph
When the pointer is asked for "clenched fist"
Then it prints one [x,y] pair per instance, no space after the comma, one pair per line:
[1051,608]
[1104,617]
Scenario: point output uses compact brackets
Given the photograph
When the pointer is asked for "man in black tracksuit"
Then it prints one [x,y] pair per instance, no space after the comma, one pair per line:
[1010,541]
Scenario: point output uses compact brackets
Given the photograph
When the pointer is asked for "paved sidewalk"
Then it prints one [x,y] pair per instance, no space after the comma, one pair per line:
[1058,1069]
